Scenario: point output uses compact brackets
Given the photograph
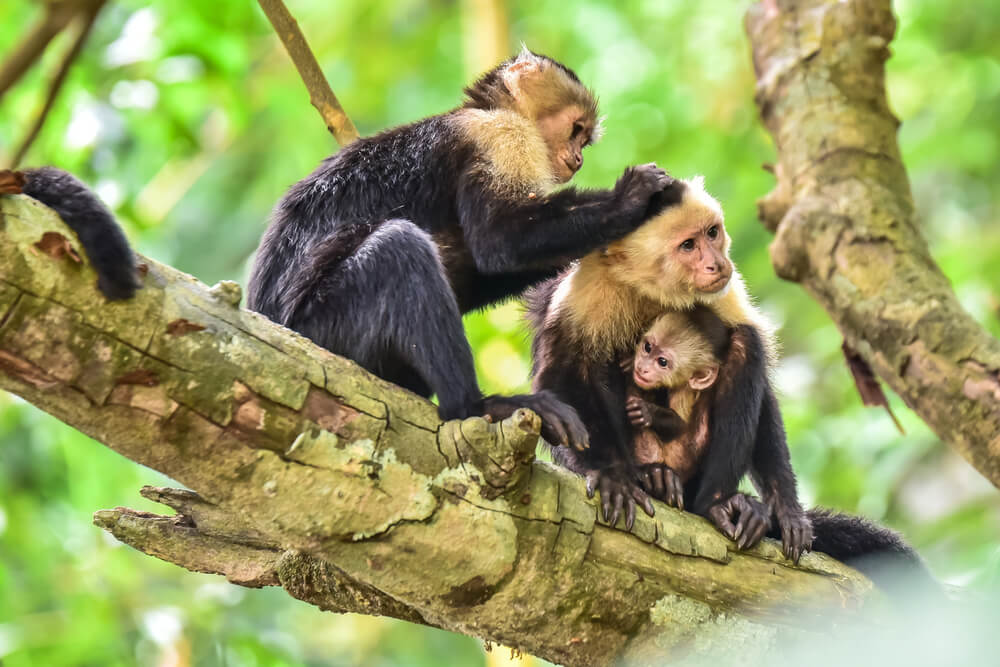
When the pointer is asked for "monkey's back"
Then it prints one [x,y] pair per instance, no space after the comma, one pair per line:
[410,172]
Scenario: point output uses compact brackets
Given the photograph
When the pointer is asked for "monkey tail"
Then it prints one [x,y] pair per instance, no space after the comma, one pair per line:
[102,239]
[878,552]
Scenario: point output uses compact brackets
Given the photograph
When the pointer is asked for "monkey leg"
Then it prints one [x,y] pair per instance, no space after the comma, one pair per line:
[773,475]
[388,305]
[661,482]
[741,518]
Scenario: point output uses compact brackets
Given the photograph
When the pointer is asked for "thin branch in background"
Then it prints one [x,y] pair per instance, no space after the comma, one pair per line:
[485,34]
[57,16]
[320,94]
[88,15]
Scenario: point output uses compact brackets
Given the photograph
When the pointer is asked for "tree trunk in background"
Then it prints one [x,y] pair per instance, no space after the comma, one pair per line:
[844,219]
[308,473]
[485,35]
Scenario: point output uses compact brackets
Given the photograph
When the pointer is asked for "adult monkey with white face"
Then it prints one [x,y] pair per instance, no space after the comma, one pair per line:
[595,313]
[378,252]
[676,261]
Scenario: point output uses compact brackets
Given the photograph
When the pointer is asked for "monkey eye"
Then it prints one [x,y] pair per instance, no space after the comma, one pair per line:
[688,245]
[713,232]
[646,347]
[662,361]
[577,129]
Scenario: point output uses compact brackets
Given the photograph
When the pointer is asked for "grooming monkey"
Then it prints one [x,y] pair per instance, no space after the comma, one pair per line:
[377,253]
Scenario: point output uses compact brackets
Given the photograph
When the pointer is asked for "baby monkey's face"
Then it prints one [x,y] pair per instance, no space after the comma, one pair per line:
[655,365]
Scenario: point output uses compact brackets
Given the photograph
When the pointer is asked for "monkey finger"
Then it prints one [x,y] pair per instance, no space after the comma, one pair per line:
[646,482]
[554,434]
[722,521]
[644,500]
[676,489]
[619,504]
[592,480]
[678,492]
[659,488]
[629,514]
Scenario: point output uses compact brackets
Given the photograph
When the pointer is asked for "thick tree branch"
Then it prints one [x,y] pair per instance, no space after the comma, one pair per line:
[320,94]
[845,221]
[306,472]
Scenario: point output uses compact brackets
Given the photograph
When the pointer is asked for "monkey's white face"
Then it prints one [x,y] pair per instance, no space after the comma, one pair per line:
[680,257]
[566,133]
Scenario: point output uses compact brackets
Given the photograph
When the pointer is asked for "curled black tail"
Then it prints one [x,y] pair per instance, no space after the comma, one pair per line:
[101,237]
[876,551]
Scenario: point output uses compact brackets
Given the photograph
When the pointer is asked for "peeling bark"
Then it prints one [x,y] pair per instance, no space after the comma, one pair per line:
[845,223]
[306,472]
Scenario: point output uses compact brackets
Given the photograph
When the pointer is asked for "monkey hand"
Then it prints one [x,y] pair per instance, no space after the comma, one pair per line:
[617,492]
[638,184]
[796,532]
[561,425]
[638,412]
[661,482]
[742,519]
[626,363]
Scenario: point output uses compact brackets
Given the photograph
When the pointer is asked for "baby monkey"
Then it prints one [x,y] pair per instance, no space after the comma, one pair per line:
[675,366]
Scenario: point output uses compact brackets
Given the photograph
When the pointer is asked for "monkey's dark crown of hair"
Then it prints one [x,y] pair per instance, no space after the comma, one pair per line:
[491,92]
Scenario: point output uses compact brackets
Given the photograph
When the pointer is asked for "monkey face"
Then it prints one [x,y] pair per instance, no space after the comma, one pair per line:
[702,254]
[654,366]
[680,257]
[566,132]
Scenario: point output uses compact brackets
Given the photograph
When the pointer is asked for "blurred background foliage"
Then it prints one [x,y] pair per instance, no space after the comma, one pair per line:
[190,122]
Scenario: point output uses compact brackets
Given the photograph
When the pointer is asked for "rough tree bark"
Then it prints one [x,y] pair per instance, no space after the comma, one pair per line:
[845,224]
[304,471]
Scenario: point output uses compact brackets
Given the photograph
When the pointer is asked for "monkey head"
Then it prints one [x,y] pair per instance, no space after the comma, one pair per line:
[674,353]
[552,97]
[681,256]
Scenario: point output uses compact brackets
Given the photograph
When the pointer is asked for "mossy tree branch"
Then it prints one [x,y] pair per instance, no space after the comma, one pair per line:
[846,228]
[306,472]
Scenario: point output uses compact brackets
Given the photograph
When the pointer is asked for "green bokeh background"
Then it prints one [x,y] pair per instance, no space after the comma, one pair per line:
[190,121]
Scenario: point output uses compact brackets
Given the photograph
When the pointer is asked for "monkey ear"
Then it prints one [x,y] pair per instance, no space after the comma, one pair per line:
[525,66]
[704,378]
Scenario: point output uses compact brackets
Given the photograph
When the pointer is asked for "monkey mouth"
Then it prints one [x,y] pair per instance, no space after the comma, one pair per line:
[641,382]
[717,284]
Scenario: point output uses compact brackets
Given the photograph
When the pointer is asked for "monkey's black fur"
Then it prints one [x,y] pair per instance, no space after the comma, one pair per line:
[102,239]
[378,253]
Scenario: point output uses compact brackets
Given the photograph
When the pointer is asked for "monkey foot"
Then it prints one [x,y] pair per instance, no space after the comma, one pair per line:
[796,533]
[661,482]
[617,492]
[742,519]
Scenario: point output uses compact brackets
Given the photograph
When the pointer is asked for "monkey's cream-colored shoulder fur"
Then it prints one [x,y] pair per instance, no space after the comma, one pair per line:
[515,153]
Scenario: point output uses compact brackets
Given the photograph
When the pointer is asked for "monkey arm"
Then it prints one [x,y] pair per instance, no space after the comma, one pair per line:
[773,476]
[735,415]
[510,235]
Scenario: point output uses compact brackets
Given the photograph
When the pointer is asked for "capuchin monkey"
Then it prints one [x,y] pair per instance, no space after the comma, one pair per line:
[378,253]
[671,373]
[675,262]
[102,239]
